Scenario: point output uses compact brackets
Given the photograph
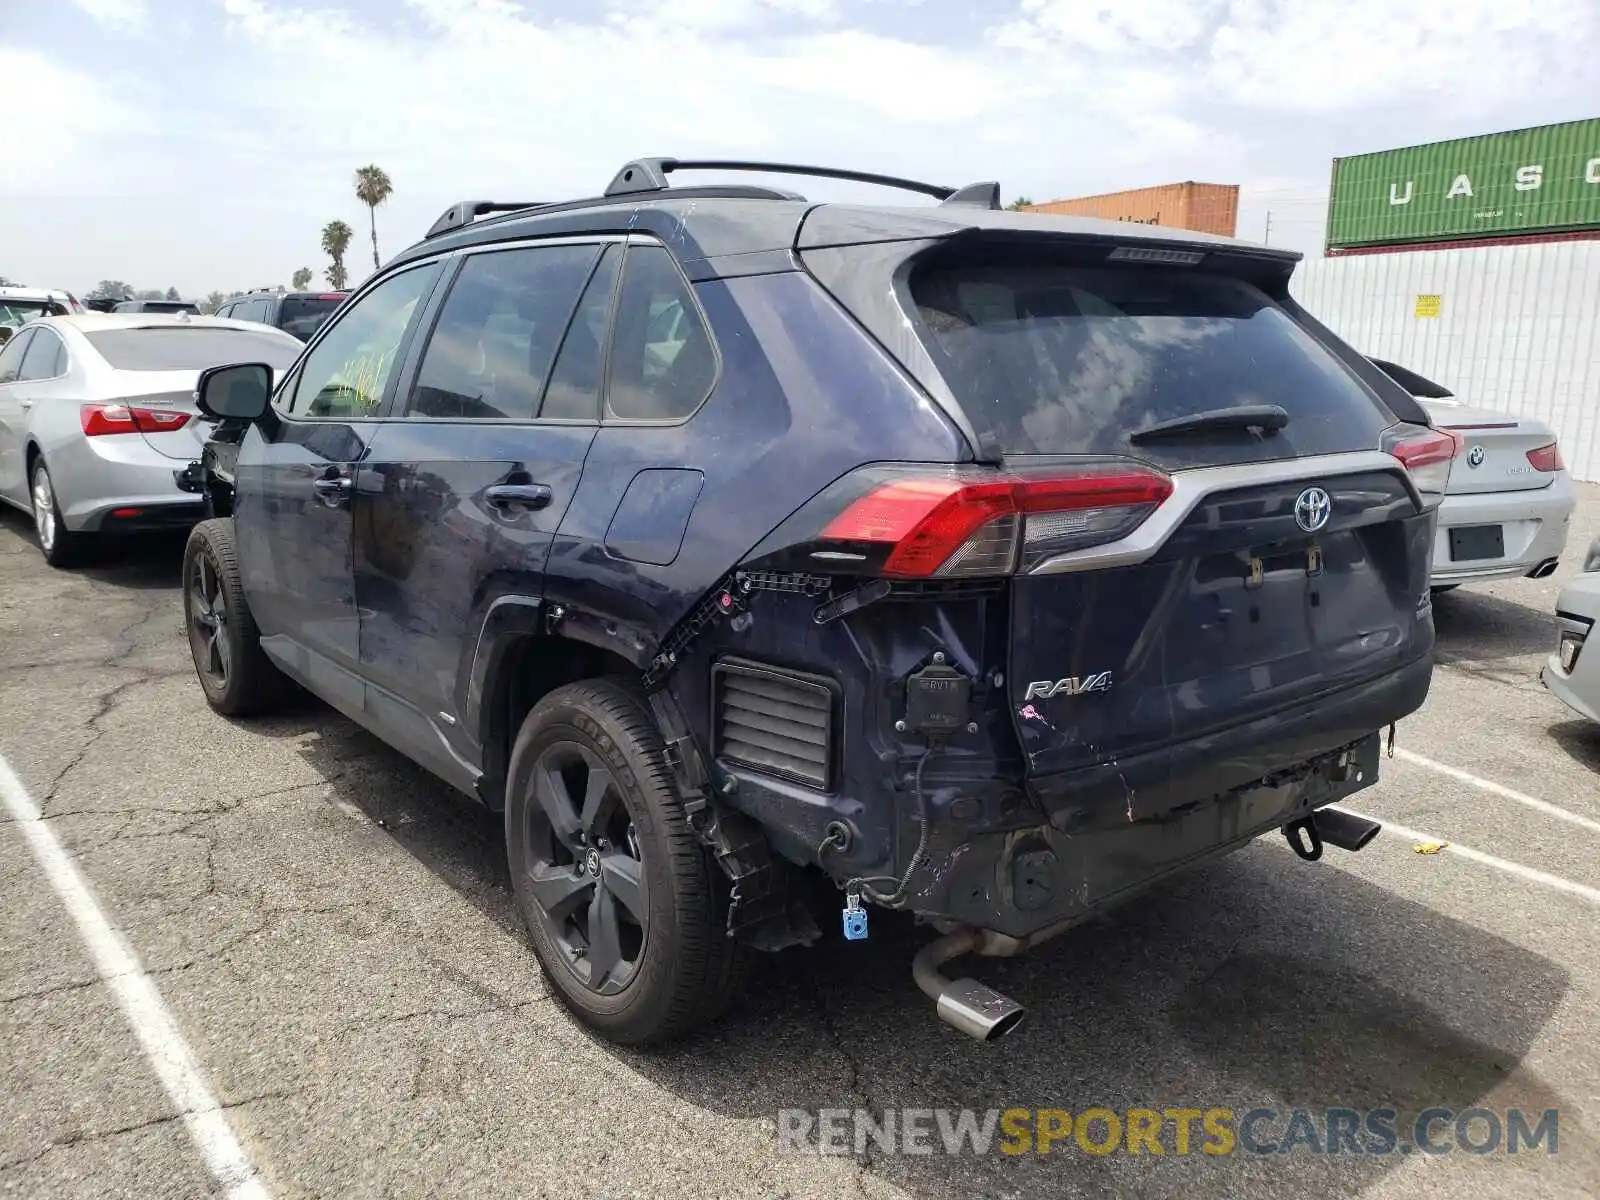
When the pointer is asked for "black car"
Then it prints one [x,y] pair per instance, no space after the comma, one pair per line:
[297,313]
[982,565]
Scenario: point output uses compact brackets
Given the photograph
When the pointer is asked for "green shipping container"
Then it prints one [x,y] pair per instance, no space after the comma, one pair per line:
[1528,181]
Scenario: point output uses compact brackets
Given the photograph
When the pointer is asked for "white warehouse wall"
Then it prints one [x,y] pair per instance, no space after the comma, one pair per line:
[1518,327]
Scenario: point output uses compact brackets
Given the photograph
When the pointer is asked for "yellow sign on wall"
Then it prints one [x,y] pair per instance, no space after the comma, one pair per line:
[1428,306]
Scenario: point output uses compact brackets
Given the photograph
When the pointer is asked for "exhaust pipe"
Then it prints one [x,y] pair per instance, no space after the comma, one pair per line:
[1344,830]
[1544,569]
[977,1011]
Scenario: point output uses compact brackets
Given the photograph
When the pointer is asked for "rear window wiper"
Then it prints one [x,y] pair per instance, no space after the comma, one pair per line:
[1264,419]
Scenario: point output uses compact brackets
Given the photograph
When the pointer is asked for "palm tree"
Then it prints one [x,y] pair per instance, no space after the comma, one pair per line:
[1019,203]
[302,279]
[336,237]
[373,187]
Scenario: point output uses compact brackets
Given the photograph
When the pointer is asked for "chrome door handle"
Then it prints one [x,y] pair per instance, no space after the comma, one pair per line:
[333,490]
[513,496]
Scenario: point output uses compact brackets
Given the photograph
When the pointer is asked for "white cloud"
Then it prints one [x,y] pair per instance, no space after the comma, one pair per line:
[121,15]
[1323,56]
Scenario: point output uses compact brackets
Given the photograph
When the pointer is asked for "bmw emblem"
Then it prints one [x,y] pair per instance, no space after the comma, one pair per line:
[1312,509]
[1475,456]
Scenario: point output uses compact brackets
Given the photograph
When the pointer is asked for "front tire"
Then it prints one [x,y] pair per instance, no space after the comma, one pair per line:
[234,672]
[60,546]
[616,891]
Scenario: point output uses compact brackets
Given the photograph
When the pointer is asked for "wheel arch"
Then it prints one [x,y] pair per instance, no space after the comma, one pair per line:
[525,665]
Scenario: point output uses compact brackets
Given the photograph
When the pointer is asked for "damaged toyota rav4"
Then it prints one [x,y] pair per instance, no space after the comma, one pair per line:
[985,566]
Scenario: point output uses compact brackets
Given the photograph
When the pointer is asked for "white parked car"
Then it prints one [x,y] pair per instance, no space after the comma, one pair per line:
[97,419]
[19,305]
[1573,672]
[1509,500]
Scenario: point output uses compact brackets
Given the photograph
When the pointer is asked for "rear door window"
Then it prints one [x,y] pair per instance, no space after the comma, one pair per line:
[490,352]
[46,357]
[574,391]
[1069,359]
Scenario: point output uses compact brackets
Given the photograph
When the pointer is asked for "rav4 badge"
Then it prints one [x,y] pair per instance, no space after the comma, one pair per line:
[1073,685]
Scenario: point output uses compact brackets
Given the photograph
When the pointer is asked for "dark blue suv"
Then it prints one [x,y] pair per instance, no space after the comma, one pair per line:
[745,550]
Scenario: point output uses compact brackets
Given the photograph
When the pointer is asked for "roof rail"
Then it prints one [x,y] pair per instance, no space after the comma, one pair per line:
[462,214]
[650,175]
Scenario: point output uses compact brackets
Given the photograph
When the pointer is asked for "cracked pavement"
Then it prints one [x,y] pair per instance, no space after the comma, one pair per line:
[334,933]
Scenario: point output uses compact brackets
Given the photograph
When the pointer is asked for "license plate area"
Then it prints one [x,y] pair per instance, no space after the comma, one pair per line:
[1469,543]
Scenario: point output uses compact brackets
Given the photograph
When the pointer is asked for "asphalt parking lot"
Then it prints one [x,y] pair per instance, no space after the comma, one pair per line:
[332,936]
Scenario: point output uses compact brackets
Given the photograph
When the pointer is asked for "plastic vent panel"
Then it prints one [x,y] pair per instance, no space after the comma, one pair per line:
[774,720]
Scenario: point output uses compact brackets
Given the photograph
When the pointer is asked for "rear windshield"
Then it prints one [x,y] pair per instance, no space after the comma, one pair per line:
[177,348]
[304,315]
[1067,359]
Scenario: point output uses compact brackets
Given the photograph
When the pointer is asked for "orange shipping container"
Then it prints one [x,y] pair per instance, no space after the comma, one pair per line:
[1206,207]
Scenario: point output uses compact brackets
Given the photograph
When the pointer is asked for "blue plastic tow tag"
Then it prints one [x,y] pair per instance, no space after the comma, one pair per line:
[855,919]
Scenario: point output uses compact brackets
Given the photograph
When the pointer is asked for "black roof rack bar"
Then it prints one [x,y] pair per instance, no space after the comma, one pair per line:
[458,215]
[650,175]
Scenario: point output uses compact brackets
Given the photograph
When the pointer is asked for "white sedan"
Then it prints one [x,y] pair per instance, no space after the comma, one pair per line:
[97,419]
[1509,500]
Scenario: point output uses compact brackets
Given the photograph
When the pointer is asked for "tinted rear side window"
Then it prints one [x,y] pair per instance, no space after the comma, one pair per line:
[1067,359]
[490,353]
[177,348]
[662,360]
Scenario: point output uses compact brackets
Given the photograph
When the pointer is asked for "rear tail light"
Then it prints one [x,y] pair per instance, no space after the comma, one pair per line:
[1546,458]
[100,419]
[1427,455]
[951,526]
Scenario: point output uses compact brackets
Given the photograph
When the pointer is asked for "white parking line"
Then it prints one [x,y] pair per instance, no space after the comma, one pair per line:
[119,967]
[1497,789]
[1543,878]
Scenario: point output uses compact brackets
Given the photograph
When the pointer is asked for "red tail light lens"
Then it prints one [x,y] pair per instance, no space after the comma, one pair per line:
[950,526]
[100,419]
[1546,458]
[1427,455]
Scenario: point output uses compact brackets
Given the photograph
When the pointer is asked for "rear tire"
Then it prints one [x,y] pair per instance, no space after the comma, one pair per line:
[61,547]
[234,672]
[616,891]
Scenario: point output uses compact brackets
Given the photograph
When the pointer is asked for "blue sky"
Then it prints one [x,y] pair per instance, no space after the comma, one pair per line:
[203,143]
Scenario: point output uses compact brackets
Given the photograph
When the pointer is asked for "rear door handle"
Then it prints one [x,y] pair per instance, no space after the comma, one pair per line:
[512,496]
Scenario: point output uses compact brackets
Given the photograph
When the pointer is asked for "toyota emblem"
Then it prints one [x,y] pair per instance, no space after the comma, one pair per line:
[1475,456]
[1312,509]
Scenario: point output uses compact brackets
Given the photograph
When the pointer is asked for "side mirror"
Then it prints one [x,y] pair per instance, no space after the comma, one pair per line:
[5,334]
[241,391]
